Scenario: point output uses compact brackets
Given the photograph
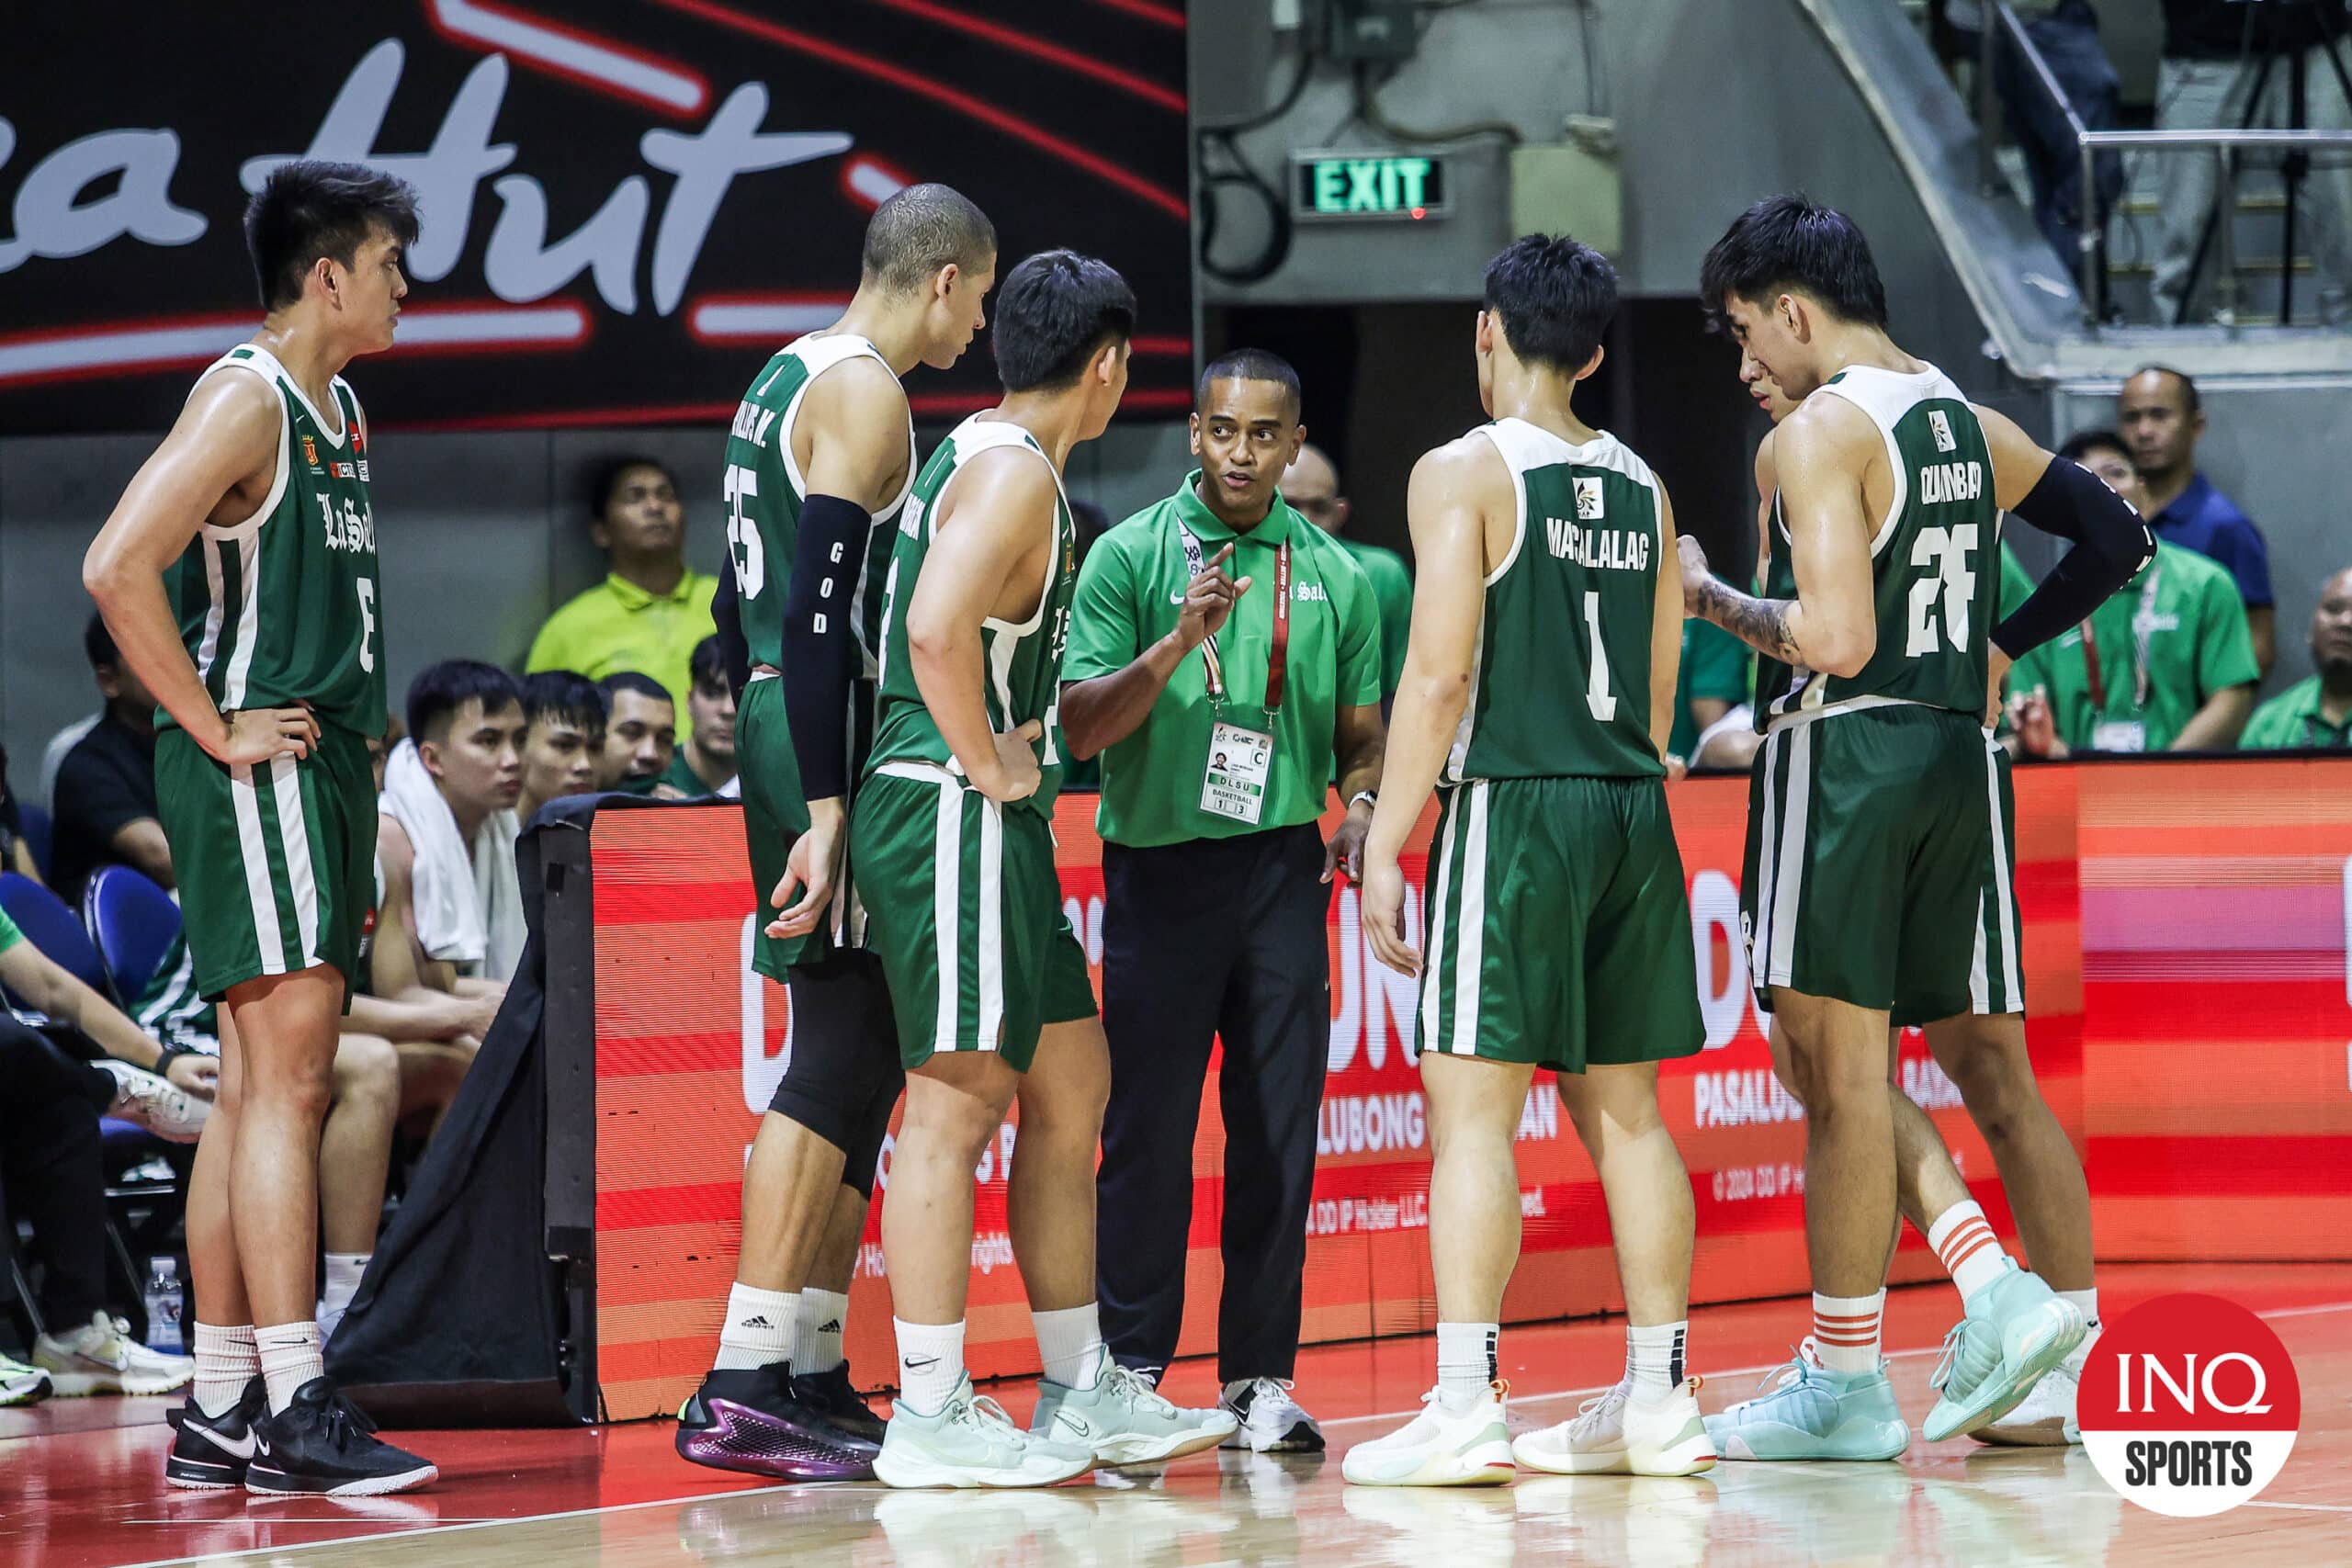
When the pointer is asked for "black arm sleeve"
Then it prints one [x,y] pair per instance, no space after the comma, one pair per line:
[820,652]
[727,611]
[2110,544]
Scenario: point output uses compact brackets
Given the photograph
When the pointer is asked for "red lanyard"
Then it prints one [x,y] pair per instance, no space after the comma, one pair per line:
[2091,671]
[1278,659]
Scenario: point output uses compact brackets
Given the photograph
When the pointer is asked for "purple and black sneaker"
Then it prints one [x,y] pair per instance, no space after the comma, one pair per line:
[753,1422]
[833,1396]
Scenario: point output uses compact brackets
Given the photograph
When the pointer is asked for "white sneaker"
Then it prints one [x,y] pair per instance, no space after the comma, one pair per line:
[971,1442]
[1470,1446]
[1614,1433]
[1270,1420]
[155,1103]
[1124,1419]
[2045,1416]
[104,1359]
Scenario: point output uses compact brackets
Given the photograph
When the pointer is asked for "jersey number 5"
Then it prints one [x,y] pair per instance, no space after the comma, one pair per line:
[743,546]
[1944,553]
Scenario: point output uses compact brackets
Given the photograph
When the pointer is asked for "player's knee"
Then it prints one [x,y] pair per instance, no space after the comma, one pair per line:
[366,1067]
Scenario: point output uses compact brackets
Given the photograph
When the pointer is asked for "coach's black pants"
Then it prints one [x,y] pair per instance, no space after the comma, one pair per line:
[54,1171]
[1213,939]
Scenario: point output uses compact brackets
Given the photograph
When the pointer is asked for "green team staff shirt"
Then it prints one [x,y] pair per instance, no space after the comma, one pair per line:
[9,934]
[1392,590]
[2198,644]
[2290,719]
[1129,596]
[1715,664]
[617,626]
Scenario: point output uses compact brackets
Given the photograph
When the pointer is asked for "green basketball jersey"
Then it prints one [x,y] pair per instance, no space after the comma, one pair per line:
[1935,562]
[765,489]
[1561,684]
[1024,663]
[283,607]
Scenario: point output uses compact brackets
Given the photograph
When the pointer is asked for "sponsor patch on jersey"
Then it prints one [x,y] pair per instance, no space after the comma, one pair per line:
[1940,425]
[310,451]
[345,471]
[363,471]
[1588,501]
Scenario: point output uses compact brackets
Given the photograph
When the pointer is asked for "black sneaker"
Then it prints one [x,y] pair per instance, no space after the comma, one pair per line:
[210,1452]
[754,1422]
[833,1393]
[322,1446]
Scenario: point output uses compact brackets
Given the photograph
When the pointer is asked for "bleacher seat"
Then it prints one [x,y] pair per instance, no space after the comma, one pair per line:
[132,922]
[49,925]
[34,824]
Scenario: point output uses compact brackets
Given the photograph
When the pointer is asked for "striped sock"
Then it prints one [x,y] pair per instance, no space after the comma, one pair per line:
[1465,1360]
[1972,1253]
[1654,1359]
[1844,1331]
[226,1359]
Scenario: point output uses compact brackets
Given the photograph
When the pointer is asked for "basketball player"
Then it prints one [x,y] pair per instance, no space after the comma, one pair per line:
[819,462]
[238,576]
[1982,1050]
[952,846]
[1539,687]
[1869,826]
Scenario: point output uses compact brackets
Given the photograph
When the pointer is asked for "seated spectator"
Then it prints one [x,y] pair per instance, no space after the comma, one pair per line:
[54,752]
[1712,693]
[2315,711]
[106,786]
[16,854]
[563,738]
[2166,664]
[1311,486]
[650,609]
[447,829]
[2162,419]
[705,764]
[640,733]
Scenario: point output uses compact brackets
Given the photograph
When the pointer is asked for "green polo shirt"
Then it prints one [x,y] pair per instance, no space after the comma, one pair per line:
[1129,596]
[2198,644]
[10,935]
[1715,664]
[2291,718]
[1392,588]
[617,626]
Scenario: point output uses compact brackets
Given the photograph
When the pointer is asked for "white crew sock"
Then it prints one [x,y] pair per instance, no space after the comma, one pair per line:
[1467,1361]
[1972,1253]
[225,1361]
[1069,1342]
[2086,1302]
[1845,1329]
[816,1330]
[290,1357]
[1654,1359]
[345,1270]
[930,1363]
[757,1328]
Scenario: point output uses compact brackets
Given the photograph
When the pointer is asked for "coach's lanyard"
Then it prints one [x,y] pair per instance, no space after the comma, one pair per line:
[2142,632]
[1278,657]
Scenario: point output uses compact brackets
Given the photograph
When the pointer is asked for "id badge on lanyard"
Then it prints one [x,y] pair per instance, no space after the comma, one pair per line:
[2123,734]
[1239,764]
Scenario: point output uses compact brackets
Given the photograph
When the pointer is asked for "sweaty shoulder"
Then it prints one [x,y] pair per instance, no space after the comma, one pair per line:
[1005,480]
[861,389]
[1468,468]
[237,408]
[1825,425]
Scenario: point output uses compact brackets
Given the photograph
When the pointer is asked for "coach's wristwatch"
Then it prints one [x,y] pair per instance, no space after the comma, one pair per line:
[1364,796]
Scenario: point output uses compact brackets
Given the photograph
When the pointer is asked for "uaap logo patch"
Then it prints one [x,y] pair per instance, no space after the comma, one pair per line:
[1939,425]
[1588,501]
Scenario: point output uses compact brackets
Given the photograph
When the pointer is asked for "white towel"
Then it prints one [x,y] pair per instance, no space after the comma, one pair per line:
[468,900]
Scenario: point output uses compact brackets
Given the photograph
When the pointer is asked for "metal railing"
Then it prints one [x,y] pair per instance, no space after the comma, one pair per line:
[2001,22]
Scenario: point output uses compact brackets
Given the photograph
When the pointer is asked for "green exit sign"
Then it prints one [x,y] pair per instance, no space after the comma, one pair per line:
[1410,187]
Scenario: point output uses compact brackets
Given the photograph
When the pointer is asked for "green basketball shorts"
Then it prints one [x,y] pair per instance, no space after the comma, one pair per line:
[1872,875]
[1997,972]
[275,862]
[1559,926]
[964,911]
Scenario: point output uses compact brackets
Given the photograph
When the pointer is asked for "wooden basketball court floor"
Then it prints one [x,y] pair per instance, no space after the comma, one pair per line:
[80,1480]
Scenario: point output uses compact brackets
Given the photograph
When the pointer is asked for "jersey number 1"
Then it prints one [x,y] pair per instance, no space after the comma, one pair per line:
[1596,694]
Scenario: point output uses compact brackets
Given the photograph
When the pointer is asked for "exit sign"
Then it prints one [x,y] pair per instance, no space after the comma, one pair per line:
[1410,187]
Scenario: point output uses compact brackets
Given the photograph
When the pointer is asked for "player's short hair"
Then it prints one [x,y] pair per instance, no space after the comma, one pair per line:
[1054,314]
[1792,243]
[707,664]
[440,690]
[2187,383]
[311,208]
[1251,364]
[605,479]
[620,681]
[566,695]
[2085,442]
[921,230]
[1554,297]
[97,644]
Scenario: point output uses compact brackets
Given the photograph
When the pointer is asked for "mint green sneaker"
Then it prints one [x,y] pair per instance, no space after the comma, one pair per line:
[1124,1419]
[970,1442]
[21,1384]
[2017,1328]
[1813,1413]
